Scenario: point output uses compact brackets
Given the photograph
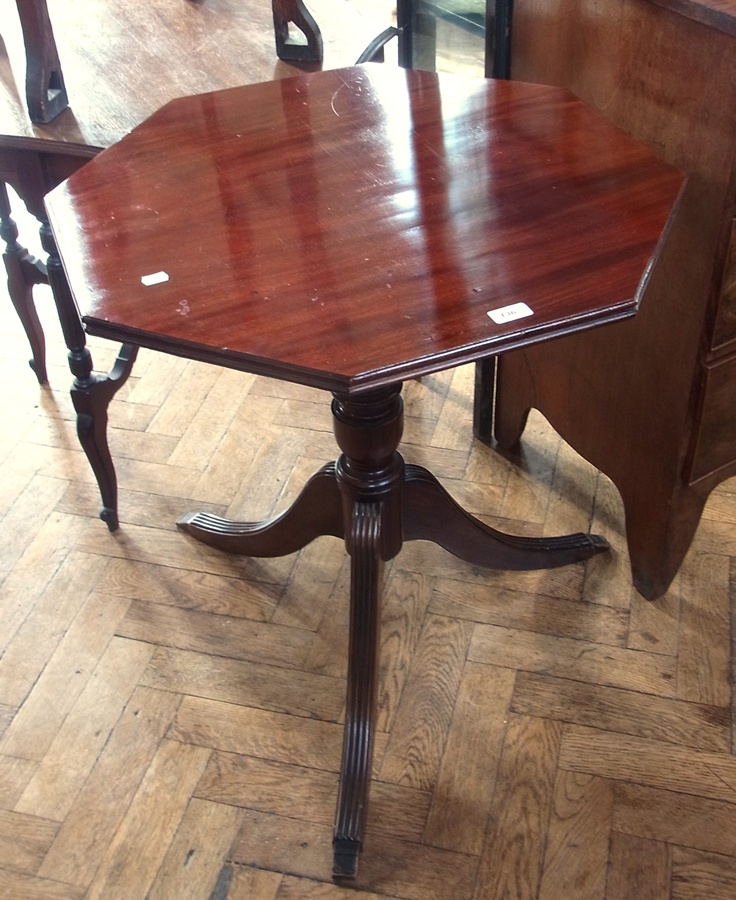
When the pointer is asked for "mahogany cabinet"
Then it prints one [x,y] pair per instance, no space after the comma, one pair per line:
[652,401]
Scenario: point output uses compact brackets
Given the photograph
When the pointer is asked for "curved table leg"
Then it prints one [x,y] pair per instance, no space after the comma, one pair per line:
[296,13]
[430,514]
[23,271]
[366,576]
[91,398]
[91,393]
[316,511]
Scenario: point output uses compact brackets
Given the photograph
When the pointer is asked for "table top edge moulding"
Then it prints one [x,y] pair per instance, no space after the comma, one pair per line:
[354,227]
[328,136]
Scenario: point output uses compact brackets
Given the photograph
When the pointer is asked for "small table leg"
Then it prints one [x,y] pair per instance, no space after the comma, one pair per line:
[24,271]
[294,12]
[91,392]
[45,91]
[372,500]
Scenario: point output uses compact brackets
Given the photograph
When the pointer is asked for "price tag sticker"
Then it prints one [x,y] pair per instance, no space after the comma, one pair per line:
[508,313]
[154,278]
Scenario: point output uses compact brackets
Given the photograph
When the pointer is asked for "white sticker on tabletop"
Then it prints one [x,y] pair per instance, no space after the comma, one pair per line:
[509,313]
[154,278]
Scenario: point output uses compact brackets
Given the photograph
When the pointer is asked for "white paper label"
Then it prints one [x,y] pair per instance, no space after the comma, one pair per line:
[509,313]
[155,278]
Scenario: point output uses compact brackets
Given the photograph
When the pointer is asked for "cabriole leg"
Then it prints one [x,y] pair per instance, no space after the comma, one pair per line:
[91,393]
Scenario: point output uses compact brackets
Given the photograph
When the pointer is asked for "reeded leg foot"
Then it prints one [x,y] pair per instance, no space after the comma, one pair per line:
[316,511]
[430,514]
[346,854]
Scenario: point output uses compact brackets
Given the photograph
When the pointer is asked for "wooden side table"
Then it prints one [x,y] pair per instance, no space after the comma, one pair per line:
[357,228]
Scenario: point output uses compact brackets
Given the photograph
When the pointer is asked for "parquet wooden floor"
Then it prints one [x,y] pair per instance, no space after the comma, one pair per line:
[170,717]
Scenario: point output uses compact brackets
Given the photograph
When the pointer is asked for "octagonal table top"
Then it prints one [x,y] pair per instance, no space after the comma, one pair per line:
[352,228]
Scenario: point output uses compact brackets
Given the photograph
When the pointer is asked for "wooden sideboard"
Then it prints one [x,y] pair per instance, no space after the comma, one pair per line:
[650,402]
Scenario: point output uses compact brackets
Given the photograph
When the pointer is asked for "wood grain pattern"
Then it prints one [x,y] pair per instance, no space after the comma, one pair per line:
[98,809]
[313,305]
[638,867]
[135,854]
[512,861]
[581,816]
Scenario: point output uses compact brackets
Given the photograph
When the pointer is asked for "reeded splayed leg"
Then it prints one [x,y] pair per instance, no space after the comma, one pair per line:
[366,576]
[370,473]
[430,514]
[316,511]
[91,393]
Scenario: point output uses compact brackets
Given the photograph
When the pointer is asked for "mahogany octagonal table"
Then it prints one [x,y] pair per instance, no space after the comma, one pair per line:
[349,230]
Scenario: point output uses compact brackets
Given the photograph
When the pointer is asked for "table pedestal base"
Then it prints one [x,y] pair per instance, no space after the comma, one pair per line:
[372,500]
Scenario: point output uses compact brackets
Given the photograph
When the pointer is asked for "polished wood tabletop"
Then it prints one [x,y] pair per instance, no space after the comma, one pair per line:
[361,226]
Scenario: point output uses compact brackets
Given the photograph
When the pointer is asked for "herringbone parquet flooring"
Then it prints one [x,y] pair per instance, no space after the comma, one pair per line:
[170,717]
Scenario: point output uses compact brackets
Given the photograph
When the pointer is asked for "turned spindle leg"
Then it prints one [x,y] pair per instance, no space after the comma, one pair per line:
[91,393]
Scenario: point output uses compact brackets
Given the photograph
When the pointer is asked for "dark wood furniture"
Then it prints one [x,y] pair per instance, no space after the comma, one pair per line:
[356,228]
[32,173]
[298,36]
[45,90]
[650,402]
[306,44]
[32,168]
